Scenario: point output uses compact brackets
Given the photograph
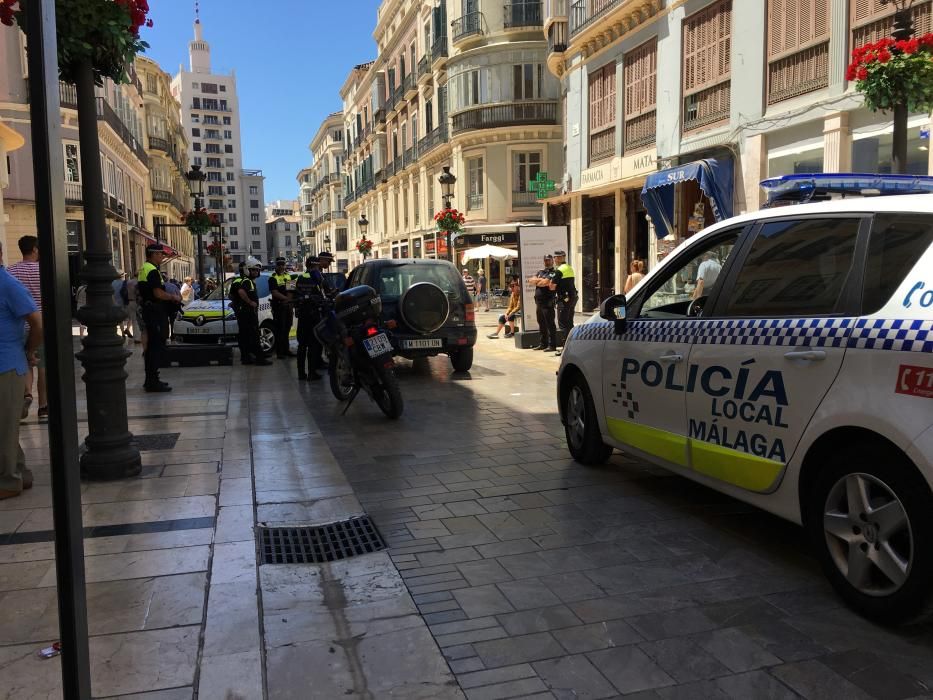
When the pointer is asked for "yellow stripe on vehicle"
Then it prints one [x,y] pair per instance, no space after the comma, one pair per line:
[191,315]
[740,469]
[660,443]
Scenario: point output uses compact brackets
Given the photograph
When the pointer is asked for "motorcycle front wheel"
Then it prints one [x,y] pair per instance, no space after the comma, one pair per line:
[386,393]
[340,374]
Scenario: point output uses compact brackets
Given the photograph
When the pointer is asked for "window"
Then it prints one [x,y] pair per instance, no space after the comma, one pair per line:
[210,119]
[196,103]
[215,190]
[671,297]
[231,204]
[231,217]
[223,88]
[212,148]
[707,67]
[228,148]
[795,268]
[231,177]
[72,163]
[196,146]
[195,118]
[223,105]
[213,163]
[641,96]
[195,86]
[340,239]
[228,134]
[254,217]
[231,189]
[197,160]
[152,85]
[526,81]
[254,203]
[253,189]
[897,243]
[602,100]
[213,176]
[229,162]
[288,240]
[255,230]
[215,204]
[227,121]
[475,183]
[288,226]
[525,168]
[798,47]
[871,20]
[195,132]
[234,245]
[256,245]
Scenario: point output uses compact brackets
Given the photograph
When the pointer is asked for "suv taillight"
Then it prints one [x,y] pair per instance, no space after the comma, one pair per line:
[470,313]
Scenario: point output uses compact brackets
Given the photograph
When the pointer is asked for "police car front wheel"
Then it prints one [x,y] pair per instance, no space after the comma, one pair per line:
[581,426]
[870,515]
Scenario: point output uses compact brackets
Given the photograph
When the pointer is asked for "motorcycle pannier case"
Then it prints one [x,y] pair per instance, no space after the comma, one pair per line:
[357,305]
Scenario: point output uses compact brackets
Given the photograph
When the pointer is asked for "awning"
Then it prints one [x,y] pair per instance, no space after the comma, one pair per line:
[488,251]
[147,238]
[714,177]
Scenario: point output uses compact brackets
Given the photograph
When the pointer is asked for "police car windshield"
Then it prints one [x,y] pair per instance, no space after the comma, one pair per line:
[395,279]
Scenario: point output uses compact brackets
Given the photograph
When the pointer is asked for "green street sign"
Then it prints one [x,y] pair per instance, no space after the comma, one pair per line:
[541,186]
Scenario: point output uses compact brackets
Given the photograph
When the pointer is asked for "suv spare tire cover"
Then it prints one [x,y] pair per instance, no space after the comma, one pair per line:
[424,307]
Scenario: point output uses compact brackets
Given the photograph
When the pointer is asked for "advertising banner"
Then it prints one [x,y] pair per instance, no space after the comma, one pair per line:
[534,242]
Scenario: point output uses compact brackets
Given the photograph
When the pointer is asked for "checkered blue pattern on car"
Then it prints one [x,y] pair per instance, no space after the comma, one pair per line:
[873,334]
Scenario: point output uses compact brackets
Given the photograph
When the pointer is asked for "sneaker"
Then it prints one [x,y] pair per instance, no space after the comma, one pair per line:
[494,336]
[553,348]
[539,347]
[160,388]
[509,335]
[27,402]
[43,414]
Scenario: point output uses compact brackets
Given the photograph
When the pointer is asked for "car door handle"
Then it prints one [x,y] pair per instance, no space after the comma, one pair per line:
[673,357]
[812,355]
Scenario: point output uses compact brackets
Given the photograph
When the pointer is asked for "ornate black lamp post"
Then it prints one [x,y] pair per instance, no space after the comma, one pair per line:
[196,178]
[903,29]
[447,180]
[363,223]
[327,241]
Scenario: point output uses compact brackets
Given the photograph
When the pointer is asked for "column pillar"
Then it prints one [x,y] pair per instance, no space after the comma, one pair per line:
[753,169]
[838,36]
[621,239]
[576,242]
[837,143]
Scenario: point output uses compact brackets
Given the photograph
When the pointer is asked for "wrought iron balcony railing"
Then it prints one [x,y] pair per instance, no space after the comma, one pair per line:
[520,14]
[583,13]
[470,24]
[505,114]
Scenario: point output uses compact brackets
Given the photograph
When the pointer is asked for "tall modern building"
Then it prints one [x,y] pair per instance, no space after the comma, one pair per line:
[210,115]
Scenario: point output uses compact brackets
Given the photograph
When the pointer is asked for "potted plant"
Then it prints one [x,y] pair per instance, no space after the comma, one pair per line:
[199,222]
[449,220]
[889,72]
[364,247]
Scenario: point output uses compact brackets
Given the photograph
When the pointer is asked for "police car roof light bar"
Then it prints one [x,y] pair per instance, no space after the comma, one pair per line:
[807,187]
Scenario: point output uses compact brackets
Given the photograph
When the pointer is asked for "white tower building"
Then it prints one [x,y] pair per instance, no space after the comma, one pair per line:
[210,114]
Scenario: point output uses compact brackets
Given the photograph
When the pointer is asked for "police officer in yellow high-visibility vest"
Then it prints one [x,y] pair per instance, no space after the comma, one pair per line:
[246,307]
[566,295]
[152,297]
[279,283]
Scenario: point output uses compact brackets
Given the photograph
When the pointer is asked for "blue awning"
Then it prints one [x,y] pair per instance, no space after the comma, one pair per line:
[716,182]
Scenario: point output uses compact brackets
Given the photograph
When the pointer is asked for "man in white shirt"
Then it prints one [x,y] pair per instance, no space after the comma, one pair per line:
[187,291]
[707,275]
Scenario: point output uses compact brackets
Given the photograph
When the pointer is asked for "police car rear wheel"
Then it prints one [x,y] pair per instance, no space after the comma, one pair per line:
[266,339]
[870,514]
[580,425]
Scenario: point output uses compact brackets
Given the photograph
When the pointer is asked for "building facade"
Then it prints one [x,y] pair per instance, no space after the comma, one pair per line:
[283,232]
[124,161]
[10,141]
[322,208]
[461,84]
[168,195]
[210,115]
[649,104]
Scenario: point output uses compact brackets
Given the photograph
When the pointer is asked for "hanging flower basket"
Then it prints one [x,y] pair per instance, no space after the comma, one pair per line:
[199,222]
[888,72]
[449,220]
[104,32]
[364,247]
[215,250]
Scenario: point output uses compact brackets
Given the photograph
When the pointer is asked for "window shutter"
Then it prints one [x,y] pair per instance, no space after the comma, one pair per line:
[640,107]
[798,47]
[707,65]
[871,20]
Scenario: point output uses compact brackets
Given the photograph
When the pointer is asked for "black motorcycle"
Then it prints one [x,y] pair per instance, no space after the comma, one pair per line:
[359,351]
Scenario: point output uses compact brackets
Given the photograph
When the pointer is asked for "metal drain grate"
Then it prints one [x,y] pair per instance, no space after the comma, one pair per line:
[319,543]
[156,441]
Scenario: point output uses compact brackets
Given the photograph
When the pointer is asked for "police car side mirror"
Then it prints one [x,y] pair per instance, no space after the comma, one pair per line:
[613,309]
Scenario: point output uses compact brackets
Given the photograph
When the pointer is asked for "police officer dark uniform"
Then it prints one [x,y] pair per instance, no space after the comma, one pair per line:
[566,295]
[309,296]
[247,316]
[545,302]
[282,315]
[153,298]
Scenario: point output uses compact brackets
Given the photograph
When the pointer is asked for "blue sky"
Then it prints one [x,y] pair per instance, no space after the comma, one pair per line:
[290,57]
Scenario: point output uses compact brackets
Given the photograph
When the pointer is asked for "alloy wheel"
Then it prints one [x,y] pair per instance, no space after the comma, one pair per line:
[576,417]
[266,339]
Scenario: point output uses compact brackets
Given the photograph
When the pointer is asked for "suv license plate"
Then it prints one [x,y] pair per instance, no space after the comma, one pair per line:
[377,345]
[422,343]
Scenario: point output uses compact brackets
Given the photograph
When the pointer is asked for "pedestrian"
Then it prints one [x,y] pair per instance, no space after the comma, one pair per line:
[282,317]
[136,325]
[196,287]
[545,303]
[247,316]
[80,303]
[154,298]
[507,320]
[469,282]
[27,273]
[566,295]
[636,272]
[707,274]
[17,308]
[482,289]
[120,300]
[309,298]
[187,291]
[172,308]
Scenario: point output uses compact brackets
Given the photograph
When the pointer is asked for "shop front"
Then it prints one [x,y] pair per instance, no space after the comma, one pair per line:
[497,271]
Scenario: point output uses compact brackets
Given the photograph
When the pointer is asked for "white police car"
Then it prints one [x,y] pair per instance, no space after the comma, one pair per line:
[201,322]
[798,378]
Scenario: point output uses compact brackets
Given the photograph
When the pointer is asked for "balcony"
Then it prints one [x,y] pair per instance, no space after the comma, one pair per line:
[505,114]
[640,131]
[67,95]
[800,72]
[411,155]
[525,200]
[521,15]
[432,140]
[106,114]
[424,68]
[583,13]
[351,196]
[389,170]
[307,208]
[379,177]
[469,25]
[74,194]
[159,144]
[439,52]
[707,107]
[338,215]
[166,197]
[398,165]
[602,145]
[379,116]
[410,85]
[474,201]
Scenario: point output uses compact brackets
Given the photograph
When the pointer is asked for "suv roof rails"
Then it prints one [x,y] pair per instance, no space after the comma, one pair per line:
[820,187]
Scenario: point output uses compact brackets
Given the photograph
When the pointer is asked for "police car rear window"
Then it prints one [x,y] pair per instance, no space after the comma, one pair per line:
[897,242]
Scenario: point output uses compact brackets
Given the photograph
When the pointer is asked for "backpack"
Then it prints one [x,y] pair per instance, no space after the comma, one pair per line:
[124,294]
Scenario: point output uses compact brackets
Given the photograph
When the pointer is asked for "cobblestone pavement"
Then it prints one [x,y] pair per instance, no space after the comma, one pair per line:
[542,578]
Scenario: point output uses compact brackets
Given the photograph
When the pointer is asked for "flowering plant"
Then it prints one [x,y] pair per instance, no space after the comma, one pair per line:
[365,247]
[104,32]
[449,220]
[889,71]
[215,250]
[199,221]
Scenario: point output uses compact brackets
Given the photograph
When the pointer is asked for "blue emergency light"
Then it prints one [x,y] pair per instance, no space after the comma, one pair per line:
[803,188]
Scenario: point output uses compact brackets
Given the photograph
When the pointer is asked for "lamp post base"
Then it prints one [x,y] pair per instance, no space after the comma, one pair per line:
[112,459]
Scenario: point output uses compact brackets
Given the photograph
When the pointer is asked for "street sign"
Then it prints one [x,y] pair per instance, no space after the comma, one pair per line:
[541,186]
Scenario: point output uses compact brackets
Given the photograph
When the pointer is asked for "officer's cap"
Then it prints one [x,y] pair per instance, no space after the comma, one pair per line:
[155,248]
[548,256]
[560,254]
[326,255]
[312,260]
[280,261]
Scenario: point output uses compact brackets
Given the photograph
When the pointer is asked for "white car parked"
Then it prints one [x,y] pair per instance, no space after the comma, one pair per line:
[797,378]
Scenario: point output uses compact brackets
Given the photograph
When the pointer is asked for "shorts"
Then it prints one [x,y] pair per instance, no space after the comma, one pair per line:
[511,318]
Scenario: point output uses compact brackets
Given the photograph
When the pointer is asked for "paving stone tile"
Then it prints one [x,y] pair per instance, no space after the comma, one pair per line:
[528,593]
[755,684]
[509,547]
[495,675]
[683,660]
[443,616]
[467,539]
[815,681]
[736,650]
[461,666]
[473,624]
[629,669]
[463,651]
[573,677]
[874,675]
[705,689]
[573,586]
[470,637]
[481,601]
[485,571]
[782,640]
[464,508]
[448,556]
[509,689]
[672,624]
[442,606]
[596,636]
[539,620]
[516,650]
[526,565]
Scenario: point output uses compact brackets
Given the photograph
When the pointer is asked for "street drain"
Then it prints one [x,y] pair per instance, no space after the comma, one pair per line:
[156,441]
[319,543]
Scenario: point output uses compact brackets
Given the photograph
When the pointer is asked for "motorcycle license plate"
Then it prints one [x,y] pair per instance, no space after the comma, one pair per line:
[377,345]
[423,343]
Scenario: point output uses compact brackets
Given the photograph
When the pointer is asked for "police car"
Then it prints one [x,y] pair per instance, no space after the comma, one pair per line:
[797,377]
[202,322]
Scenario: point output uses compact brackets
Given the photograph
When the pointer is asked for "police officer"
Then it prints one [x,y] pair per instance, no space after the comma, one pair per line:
[309,298]
[247,315]
[566,295]
[282,315]
[153,299]
[545,302]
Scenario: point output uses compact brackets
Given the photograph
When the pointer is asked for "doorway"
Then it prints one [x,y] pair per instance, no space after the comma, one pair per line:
[598,250]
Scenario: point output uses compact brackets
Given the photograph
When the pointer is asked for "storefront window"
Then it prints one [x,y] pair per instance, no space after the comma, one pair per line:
[796,160]
[871,151]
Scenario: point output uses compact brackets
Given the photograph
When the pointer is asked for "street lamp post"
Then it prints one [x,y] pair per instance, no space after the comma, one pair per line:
[447,181]
[903,29]
[196,178]
[363,223]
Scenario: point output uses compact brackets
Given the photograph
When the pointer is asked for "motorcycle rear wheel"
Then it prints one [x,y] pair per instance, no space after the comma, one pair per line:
[341,375]
[387,394]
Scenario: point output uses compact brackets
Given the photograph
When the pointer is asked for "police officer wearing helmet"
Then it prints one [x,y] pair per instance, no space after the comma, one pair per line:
[567,295]
[153,299]
[282,316]
[309,298]
[247,315]
[545,302]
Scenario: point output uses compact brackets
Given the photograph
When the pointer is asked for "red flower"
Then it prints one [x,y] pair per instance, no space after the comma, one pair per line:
[861,74]
[884,55]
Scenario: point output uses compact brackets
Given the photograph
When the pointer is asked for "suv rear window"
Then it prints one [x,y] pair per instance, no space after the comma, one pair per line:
[395,279]
[897,243]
